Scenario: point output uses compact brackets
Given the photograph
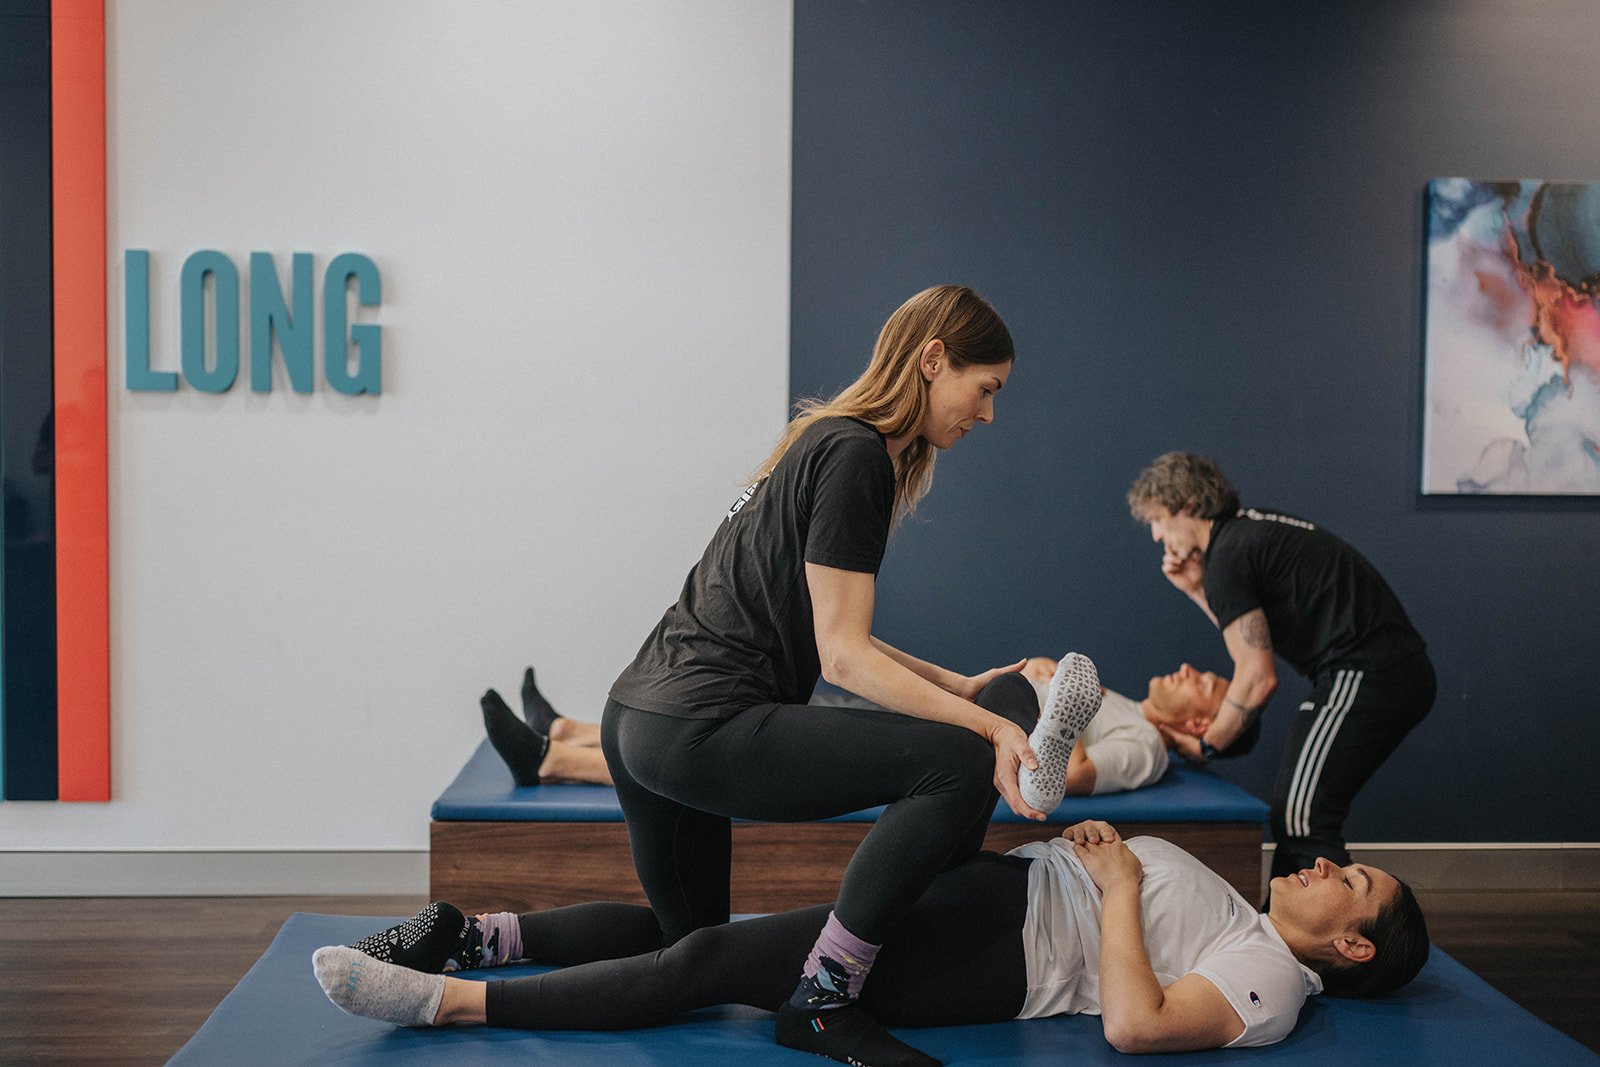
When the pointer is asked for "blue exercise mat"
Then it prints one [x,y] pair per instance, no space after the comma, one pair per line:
[277,1016]
[485,792]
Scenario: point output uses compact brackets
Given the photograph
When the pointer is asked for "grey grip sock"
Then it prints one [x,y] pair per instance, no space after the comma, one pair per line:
[1070,705]
[363,986]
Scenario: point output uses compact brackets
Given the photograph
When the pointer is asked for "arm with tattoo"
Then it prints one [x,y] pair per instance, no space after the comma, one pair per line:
[1255,676]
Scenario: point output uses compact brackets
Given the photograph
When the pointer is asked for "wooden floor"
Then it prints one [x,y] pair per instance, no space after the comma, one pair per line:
[128,981]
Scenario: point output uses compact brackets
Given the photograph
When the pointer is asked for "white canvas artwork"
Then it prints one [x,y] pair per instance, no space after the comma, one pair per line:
[1512,338]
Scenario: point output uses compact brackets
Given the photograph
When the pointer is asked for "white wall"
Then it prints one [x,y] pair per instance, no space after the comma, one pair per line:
[580,211]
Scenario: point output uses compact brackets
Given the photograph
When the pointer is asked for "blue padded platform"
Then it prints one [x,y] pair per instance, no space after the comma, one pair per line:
[484,792]
[277,1016]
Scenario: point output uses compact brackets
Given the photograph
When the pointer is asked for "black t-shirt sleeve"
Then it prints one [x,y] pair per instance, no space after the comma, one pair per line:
[852,504]
[1229,584]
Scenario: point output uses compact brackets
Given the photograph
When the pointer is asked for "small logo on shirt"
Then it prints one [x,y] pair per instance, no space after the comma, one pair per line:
[743,500]
[1233,909]
[1267,516]
[1255,999]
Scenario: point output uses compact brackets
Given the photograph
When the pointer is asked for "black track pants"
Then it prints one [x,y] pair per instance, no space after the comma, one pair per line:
[680,782]
[955,957]
[1353,720]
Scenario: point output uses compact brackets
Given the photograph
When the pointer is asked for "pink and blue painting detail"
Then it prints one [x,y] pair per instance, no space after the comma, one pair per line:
[1513,338]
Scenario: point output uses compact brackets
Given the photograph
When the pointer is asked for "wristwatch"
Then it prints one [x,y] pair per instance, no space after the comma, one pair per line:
[1208,751]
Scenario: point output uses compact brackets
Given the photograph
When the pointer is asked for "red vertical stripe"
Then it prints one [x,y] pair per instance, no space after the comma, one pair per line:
[78,103]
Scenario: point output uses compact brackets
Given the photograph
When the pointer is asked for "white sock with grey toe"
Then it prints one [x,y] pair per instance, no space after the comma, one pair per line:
[1070,705]
[373,989]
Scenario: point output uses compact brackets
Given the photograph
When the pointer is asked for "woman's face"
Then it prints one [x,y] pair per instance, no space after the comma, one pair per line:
[958,397]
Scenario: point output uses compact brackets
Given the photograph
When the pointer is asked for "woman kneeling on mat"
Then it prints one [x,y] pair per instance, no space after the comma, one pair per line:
[1054,927]
[710,722]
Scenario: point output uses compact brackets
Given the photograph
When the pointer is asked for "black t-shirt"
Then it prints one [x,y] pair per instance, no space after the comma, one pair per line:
[741,632]
[1325,604]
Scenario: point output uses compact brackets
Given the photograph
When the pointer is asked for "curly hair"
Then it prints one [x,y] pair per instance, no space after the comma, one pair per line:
[1179,482]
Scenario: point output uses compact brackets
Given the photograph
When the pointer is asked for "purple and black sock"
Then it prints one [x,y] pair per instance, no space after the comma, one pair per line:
[835,969]
[438,939]
[500,934]
[823,1016]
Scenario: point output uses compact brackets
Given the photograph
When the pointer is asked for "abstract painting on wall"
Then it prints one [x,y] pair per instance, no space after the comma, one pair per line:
[1513,338]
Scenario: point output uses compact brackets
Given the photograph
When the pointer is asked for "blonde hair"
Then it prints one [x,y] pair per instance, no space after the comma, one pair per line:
[892,396]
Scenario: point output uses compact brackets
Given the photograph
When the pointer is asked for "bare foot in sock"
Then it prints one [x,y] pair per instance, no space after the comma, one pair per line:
[361,985]
[518,744]
[1070,705]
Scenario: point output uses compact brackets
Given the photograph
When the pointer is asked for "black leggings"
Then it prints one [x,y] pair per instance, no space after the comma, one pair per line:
[681,782]
[955,957]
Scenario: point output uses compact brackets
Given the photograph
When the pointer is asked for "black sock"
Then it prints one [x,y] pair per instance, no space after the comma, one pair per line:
[437,937]
[535,708]
[847,1034]
[521,748]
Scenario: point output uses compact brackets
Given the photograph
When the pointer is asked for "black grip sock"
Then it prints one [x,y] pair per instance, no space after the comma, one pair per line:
[847,1034]
[433,940]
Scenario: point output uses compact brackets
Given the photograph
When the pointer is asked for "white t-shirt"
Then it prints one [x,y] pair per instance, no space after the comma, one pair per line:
[1126,750]
[1193,920]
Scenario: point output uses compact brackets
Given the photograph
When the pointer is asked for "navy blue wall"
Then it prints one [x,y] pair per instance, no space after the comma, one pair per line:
[27,445]
[1204,225]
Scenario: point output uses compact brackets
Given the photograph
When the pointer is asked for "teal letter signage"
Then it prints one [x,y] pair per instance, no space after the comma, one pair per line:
[209,332]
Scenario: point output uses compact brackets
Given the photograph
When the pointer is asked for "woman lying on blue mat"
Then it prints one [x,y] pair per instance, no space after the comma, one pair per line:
[1167,953]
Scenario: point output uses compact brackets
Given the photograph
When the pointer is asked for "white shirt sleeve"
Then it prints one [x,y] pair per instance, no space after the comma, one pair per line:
[1266,990]
[1127,751]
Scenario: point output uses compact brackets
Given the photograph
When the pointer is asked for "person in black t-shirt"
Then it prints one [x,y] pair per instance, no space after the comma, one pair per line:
[710,721]
[1275,583]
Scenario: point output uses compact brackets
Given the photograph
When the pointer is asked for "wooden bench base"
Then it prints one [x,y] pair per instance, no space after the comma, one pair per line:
[529,866]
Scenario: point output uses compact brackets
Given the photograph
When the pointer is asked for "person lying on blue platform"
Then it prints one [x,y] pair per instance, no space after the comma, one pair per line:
[1121,748]
[1163,949]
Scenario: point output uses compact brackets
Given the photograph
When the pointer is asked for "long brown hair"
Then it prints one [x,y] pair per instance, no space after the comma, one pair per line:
[892,396]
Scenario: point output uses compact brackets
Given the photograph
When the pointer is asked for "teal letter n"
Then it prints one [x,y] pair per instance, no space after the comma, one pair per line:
[270,314]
